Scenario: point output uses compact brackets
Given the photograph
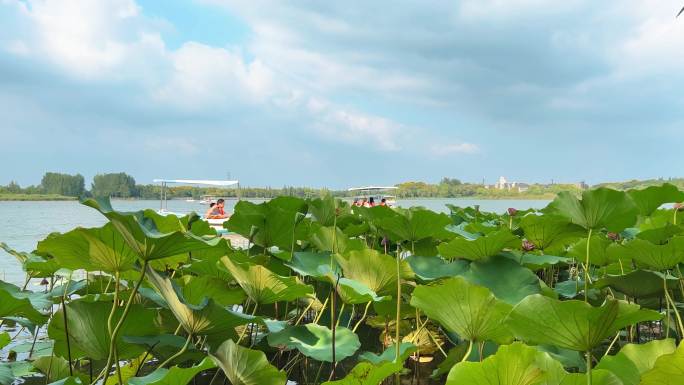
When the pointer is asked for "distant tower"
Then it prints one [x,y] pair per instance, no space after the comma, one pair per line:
[502,183]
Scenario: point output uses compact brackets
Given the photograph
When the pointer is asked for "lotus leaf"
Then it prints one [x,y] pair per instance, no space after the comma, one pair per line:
[203,317]
[271,223]
[322,237]
[262,285]
[549,233]
[326,208]
[174,375]
[375,270]
[599,208]
[514,364]
[142,235]
[431,268]
[574,325]
[667,370]
[509,281]
[92,249]
[599,246]
[365,373]
[479,248]
[354,292]
[661,257]
[634,360]
[316,265]
[414,224]
[197,288]
[315,341]
[17,303]
[638,283]
[54,368]
[652,197]
[389,355]
[88,335]
[245,366]
[461,307]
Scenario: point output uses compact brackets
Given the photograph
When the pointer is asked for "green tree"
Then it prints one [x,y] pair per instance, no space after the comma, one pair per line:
[120,185]
[63,184]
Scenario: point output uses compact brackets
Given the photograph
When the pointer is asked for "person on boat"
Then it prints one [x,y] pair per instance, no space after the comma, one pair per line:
[217,211]
[210,209]
[383,202]
[356,202]
[364,202]
[371,202]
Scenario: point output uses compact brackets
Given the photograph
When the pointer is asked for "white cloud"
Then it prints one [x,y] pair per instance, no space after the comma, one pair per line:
[455,148]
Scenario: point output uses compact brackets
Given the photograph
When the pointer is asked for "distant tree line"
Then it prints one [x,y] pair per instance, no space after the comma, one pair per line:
[122,185]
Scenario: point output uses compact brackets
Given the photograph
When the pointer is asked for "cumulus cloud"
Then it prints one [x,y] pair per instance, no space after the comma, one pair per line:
[455,148]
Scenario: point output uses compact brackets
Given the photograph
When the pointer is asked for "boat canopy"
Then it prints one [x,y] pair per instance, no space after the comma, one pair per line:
[200,182]
[373,188]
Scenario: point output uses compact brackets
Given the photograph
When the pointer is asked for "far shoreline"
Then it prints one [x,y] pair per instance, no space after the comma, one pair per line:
[61,198]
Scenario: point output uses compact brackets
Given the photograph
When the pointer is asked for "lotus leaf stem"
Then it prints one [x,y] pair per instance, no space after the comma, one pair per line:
[304,312]
[66,334]
[586,269]
[363,317]
[468,351]
[674,308]
[320,312]
[588,356]
[617,335]
[242,335]
[117,328]
[178,353]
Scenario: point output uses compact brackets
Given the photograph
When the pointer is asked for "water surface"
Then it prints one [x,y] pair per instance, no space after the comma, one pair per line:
[23,224]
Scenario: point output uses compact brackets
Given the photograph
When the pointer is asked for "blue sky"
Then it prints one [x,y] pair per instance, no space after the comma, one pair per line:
[342,93]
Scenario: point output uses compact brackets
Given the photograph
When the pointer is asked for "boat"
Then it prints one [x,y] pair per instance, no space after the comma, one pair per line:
[217,224]
[378,193]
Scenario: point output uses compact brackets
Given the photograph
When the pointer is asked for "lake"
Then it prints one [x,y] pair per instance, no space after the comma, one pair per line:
[25,223]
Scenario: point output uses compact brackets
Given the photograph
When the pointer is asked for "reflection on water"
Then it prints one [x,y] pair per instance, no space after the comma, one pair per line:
[25,223]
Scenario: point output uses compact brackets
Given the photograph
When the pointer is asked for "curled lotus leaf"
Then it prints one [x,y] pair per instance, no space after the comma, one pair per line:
[245,366]
[315,341]
[597,209]
[479,248]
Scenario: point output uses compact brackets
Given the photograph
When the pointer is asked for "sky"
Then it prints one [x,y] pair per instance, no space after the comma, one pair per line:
[337,94]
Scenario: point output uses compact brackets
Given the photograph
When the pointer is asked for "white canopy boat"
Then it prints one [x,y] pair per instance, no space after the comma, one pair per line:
[378,193]
[163,201]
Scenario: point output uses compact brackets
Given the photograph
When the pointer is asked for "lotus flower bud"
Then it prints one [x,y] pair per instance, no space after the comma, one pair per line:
[613,236]
[678,206]
[528,246]
[44,282]
[512,211]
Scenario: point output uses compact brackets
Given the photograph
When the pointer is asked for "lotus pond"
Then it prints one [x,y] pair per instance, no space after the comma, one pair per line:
[586,290]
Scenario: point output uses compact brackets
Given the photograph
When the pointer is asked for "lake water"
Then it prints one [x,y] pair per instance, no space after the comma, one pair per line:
[23,224]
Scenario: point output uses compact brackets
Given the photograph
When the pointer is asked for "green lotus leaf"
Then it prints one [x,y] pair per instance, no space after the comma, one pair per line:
[508,281]
[574,325]
[202,317]
[667,370]
[15,302]
[142,235]
[375,270]
[197,288]
[4,339]
[35,266]
[389,355]
[270,223]
[88,335]
[326,208]
[91,249]
[599,208]
[461,307]
[651,198]
[55,368]
[263,286]
[414,224]
[316,265]
[555,374]
[550,233]
[365,373]
[354,292]
[480,248]
[431,268]
[6,375]
[315,341]
[245,366]
[322,237]
[68,381]
[638,283]
[536,262]
[598,247]
[174,375]
[514,364]
[659,257]
[660,235]
[635,359]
